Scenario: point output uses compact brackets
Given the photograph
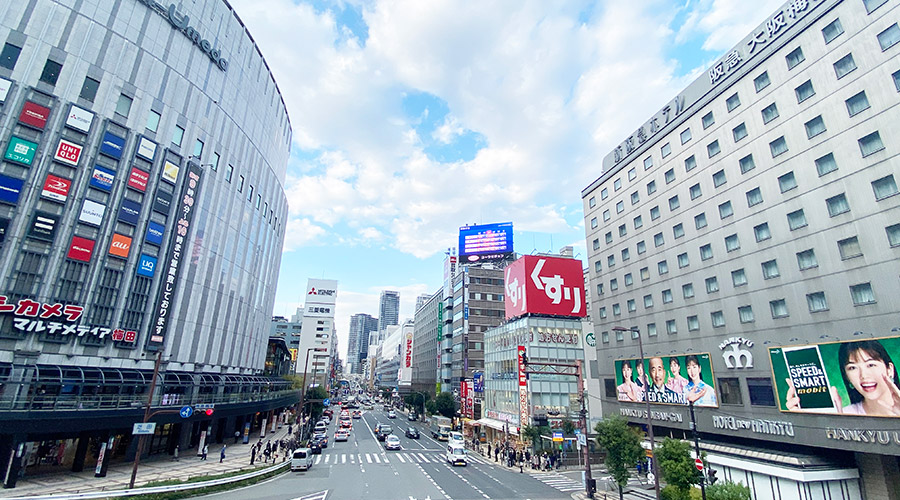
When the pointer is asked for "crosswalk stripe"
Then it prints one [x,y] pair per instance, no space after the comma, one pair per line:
[377,461]
[343,459]
[368,458]
[326,458]
[400,457]
[423,457]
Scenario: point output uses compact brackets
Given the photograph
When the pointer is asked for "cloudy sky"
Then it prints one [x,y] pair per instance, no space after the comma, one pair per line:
[414,117]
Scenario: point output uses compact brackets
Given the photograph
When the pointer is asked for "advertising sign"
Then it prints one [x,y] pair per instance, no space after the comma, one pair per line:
[667,380]
[56,188]
[320,297]
[485,242]
[43,226]
[112,145]
[5,85]
[146,149]
[34,316]
[478,385]
[544,285]
[409,349]
[68,153]
[79,119]
[10,189]
[92,213]
[81,249]
[174,260]
[154,234]
[856,377]
[34,115]
[470,399]
[120,246]
[102,178]
[523,386]
[138,179]
[170,172]
[20,151]
[146,266]
[129,212]
[163,202]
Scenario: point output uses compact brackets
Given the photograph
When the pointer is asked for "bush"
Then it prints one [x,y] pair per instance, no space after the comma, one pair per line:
[726,490]
[672,492]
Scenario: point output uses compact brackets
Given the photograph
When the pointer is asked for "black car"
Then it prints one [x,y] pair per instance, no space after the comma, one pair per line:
[412,417]
[315,447]
[384,431]
[412,433]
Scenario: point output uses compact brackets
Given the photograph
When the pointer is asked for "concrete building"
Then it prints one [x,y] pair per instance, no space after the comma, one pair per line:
[750,229]
[477,306]
[388,309]
[428,323]
[317,337]
[361,325]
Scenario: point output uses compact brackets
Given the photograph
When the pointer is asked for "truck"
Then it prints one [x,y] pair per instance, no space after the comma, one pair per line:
[440,428]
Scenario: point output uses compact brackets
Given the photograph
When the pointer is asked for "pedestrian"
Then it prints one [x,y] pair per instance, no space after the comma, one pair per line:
[237,435]
[556,460]
[520,458]
[175,454]
[527,456]
[222,454]
[204,452]
[496,453]
[489,450]
[252,454]
[290,429]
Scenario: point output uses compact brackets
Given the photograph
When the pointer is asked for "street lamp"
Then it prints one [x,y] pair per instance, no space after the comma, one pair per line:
[637,331]
[306,382]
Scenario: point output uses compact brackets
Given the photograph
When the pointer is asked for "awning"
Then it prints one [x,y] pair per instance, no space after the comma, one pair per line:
[498,425]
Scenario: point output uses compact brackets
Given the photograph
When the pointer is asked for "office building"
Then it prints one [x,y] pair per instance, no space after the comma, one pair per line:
[388,309]
[428,331]
[361,325]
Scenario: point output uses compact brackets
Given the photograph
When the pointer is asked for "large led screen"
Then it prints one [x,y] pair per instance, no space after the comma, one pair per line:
[670,380]
[485,242]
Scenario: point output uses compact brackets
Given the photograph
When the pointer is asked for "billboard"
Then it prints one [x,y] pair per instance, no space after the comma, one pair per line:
[129,212]
[667,380]
[5,85]
[120,246]
[79,119]
[146,149]
[321,296]
[92,213]
[138,179]
[56,188]
[544,285]
[857,377]
[68,153]
[102,178]
[34,115]
[43,226]
[154,234]
[146,265]
[163,202]
[20,151]
[81,249]
[485,242]
[112,145]
[10,189]
[170,172]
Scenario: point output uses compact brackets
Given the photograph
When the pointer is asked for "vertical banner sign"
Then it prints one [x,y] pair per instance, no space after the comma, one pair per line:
[523,388]
[171,266]
[470,399]
[463,398]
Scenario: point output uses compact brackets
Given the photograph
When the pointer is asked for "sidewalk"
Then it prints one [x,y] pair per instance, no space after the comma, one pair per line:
[151,469]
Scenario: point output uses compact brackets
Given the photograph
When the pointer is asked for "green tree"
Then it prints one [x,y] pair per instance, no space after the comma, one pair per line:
[296,381]
[430,407]
[568,426]
[622,444]
[386,393]
[677,468]
[727,490]
[445,405]
[416,400]
[531,433]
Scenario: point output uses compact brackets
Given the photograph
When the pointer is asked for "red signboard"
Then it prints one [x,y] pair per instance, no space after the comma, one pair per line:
[34,115]
[545,285]
[68,152]
[523,386]
[56,188]
[138,179]
[120,245]
[81,249]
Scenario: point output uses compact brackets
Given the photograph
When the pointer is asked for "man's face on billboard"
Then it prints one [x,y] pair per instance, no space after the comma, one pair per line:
[657,372]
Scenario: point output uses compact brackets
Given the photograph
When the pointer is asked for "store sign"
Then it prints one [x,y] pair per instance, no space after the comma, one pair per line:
[138,179]
[92,213]
[10,189]
[5,85]
[523,387]
[57,319]
[34,115]
[557,338]
[20,151]
[758,426]
[56,188]
[102,178]
[737,357]
[129,212]
[544,285]
[79,119]
[662,416]
[43,226]
[146,149]
[154,234]
[120,246]
[182,24]
[163,202]
[591,339]
[867,436]
[170,172]
[112,145]
[146,266]
[478,380]
[409,348]
[81,249]
[68,152]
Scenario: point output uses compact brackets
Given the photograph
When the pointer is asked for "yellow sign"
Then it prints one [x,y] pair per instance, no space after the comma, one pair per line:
[170,172]
[293,354]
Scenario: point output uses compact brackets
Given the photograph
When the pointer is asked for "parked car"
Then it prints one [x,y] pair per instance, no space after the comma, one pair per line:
[457,438]
[301,459]
[392,442]
[412,433]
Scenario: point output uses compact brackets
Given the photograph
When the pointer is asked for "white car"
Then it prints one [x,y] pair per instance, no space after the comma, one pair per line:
[341,435]
[392,414]
[456,455]
[392,442]
[456,438]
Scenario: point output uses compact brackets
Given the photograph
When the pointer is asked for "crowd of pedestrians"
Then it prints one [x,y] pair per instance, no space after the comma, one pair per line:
[511,456]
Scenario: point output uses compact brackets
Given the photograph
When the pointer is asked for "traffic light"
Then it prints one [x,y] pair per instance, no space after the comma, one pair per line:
[209,412]
[711,476]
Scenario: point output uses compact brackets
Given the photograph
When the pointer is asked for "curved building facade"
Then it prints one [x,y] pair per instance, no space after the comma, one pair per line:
[142,205]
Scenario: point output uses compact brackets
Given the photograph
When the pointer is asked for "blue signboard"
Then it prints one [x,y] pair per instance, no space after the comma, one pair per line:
[485,242]
[154,233]
[102,178]
[112,145]
[326,402]
[479,382]
[129,212]
[146,266]
[10,189]
[186,412]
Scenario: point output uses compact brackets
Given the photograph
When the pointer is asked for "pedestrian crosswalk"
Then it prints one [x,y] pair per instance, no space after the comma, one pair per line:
[389,457]
[558,481]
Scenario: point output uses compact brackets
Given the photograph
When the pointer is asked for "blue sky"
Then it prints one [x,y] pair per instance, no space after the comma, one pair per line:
[413,118]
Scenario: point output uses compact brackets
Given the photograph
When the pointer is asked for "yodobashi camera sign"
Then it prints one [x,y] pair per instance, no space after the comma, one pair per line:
[182,24]
[545,285]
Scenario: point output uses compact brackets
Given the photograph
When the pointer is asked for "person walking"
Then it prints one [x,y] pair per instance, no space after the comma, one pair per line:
[520,458]
[497,453]
[222,454]
[175,454]
[252,454]
[237,435]
[204,452]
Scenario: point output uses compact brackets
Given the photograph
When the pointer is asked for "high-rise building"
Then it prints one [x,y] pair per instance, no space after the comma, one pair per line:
[428,332]
[361,325]
[479,293]
[317,331]
[748,234]
[388,309]
[421,300]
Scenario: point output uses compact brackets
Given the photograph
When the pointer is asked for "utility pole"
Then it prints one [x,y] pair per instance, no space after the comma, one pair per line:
[140,446]
[697,450]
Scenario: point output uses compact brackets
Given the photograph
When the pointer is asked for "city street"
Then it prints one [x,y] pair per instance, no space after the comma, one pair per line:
[362,469]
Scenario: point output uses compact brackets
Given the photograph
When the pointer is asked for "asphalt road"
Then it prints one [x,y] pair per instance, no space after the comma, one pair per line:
[361,469]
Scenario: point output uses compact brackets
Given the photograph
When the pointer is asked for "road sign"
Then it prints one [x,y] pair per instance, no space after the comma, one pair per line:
[698,464]
[186,412]
[326,402]
[144,428]
[582,440]
[557,436]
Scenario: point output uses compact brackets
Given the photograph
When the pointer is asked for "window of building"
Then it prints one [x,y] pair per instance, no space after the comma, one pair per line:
[814,127]
[662,267]
[884,187]
[89,89]
[594,222]
[613,285]
[626,254]
[779,309]
[629,279]
[641,247]
[240,184]
[896,77]
[849,248]
[871,5]
[807,260]
[889,37]
[712,284]
[598,266]
[725,210]
[50,74]
[745,314]
[670,175]
[708,120]
[609,237]
[762,232]
[712,149]
[678,230]
[604,193]
[617,311]
[665,150]
[739,132]
[747,164]
[596,244]
[123,105]
[214,165]
[635,198]
[826,164]
[651,187]
[832,31]
[738,277]
[620,207]
[617,184]
[153,121]
[816,302]
[648,163]
[761,393]
[674,203]
[762,81]
[620,336]
[648,301]
[893,235]
[732,243]
[683,260]
[198,149]
[796,219]
[632,174]
[717,318]
[870,144]
[719,178]
[769,113]
[651,329]
[693,323]
[606,215]
[228,173]
[844,66]
[794,58]
[685,136]
[638,222]
[177,135]
[603,312]
[667,296]
[654,213]
[770,269]
[690,163]
[658,240]
[804,91]
[730,391]
[600,292]
[857,104]
[754,197]
[645,273]
[862,294]
[250,193]
[778,147]
[787,182]
[695,191]
[671,327]
[687,290]
[732,102]
[700,220]
[9,56]
[592,202]
[623,230]
[706,252]
[837,205]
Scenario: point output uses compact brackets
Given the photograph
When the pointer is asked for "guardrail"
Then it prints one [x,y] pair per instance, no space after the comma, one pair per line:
[162,489]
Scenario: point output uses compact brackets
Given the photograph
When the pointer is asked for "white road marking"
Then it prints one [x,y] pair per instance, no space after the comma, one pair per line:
[343,459]
[400,457]
[377,461]
[368,458]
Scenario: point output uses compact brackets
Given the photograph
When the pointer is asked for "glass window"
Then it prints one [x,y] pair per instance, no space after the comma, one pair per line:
[769,113]
[738,277]
[198,149]
[700,220]
[674,203]
[594,223]
[214,166]
[871,5]
[9,56]
[632,307]
[849,248]
[662,267]
[787,182]
[732,243]
[153,121]
[685,136]
[620,207]
[732,102]
[770,269]
[671,328]
[250,193]
[804,91]
[796,219]
[123,105]
[609,237]
[610,260]
[258,200]
[240,184]
[600,292]
[889,37]
[814,127]
[228,173]
[678,230]
[857,104]
[693,323]
[648,163]
[778,146]
[606,216]
[620,336]
[596,244]
[706,252]
[635,198]
[739,132]
[665,150]
[177,135]
[648,301]
[670,175]
[629,279]
[651,187]
[632,174]
[604,193]
[778,308]
[708,120]
[613,285]
[826,164]
[719,178]
[807,259]
[893,235]
[89,89]
[667,296]
[762,232]
[690,163]
[658,240]
[862,294]
[598,266]
[747,164]
[712,284]
[50,74]
[603,312]
[837,205]
[745,313]
[794,58]
[654,213]
[884,187]
[623,230]
[645,273]
[683,260]
[638,222]
[844,66]
[730,391]
[592,202]
[617,311]
[761,393]
[712,149]
[816,302]
[717,318]
[687,290]
[754,197]
[762,81]
[641,247]
[696,192]
[617,184]
[725,210]
[896,77]
[870,144]
[832,31]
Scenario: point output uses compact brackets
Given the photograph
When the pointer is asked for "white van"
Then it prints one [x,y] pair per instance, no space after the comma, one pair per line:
[456,455]
[457,438]
[302,459]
